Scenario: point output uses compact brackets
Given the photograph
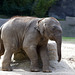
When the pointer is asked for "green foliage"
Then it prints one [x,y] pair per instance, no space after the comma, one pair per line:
[17,7]
[68,39]
[41,7]
[26,7]
[1,2]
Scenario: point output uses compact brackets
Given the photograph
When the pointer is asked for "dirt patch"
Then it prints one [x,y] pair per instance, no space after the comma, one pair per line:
[68,53]
[65,67]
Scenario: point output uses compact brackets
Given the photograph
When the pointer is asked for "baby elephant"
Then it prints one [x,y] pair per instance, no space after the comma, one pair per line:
[30,34]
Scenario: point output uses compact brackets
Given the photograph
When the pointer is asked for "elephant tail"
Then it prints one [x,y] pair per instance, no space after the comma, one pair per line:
[0,32]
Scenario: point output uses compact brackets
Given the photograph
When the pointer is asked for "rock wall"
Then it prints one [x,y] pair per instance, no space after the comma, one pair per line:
[68,27]
[62,8]
[2,21]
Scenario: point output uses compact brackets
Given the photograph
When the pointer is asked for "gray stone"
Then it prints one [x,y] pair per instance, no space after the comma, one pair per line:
[20,56]
[52,48]
[70,20]
[68,27]
[2,21]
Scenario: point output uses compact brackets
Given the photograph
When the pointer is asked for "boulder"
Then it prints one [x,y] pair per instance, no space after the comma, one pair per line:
[20,55]
[52,49]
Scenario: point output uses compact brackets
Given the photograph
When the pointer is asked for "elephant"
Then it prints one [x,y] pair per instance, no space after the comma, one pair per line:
[30,34]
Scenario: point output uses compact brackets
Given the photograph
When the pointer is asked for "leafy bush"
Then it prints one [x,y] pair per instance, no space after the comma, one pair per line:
[17,7]
[41,7]
[26,7]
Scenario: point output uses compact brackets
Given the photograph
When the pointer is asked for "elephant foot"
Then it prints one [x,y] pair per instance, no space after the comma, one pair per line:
[7,69]
[46,70]
[34,69]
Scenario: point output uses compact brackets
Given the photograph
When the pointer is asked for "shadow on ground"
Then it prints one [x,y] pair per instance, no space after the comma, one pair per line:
[23,68]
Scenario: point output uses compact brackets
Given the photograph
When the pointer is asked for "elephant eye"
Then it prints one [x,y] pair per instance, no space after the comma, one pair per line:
[44,24]
[55,27]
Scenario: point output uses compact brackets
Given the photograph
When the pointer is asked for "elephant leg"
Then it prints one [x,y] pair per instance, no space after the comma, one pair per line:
[45,58]
[33,56]
[6,61]
[10,47]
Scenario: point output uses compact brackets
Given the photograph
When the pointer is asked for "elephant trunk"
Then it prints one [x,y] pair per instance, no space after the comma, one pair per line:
[59,41]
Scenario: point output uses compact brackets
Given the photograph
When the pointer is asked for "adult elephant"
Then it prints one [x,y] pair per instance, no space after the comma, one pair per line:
[30,34]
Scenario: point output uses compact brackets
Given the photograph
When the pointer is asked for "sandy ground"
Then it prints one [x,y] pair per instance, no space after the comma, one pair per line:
[68,53]
[65,67]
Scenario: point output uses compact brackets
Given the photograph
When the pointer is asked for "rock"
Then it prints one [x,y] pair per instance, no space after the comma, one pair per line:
[20,55]
[52,48]
[68,27]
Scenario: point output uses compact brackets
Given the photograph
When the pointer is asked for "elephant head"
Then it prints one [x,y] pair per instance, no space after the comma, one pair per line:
[51,29]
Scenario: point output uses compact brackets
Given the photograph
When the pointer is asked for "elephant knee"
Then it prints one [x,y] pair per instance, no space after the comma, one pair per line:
[29,47]
[32,47]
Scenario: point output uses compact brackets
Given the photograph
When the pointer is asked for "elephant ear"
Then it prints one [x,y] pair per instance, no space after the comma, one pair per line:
[40,26]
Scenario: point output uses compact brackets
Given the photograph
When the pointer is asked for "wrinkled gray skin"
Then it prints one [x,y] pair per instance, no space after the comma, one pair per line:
[30,34]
